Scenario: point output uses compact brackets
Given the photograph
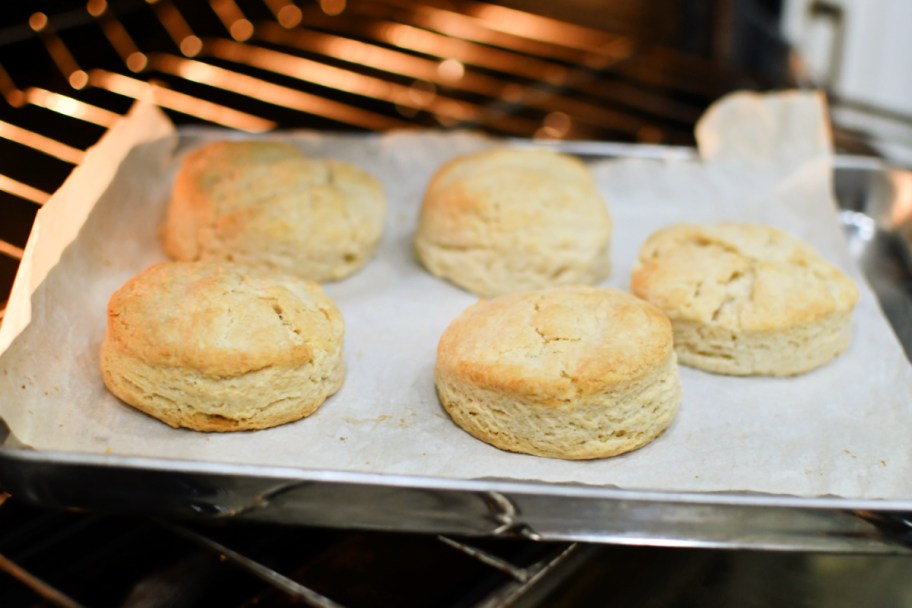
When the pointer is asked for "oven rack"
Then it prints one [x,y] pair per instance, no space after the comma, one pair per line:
[69,70]
[129,561]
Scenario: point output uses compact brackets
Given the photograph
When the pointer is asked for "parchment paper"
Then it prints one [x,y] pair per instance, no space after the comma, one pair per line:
[840,430]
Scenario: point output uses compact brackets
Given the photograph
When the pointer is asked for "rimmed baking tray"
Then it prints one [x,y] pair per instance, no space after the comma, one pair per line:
[873,200]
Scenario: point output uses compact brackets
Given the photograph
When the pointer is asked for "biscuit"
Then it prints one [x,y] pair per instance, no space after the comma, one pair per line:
[205,346]
[746,299]
[265,204]
[572,372]
[510,220]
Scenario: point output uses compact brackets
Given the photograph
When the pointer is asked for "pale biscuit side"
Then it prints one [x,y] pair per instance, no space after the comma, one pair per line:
[598,426]
[773,353]
[254,400]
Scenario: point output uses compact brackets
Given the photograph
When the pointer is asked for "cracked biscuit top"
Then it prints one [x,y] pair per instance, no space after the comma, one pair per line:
[219,321]
[742,277]
[558,344]
[266,204]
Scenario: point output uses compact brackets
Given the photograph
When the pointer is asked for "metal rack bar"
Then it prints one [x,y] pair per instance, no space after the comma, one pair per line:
[177,27]
[118,36]
[517,573]
[24,191]
[513,590]
[448,110]
[261,571]
[446,69]
[433,48]
[36,584]
[41,143]
[179,102]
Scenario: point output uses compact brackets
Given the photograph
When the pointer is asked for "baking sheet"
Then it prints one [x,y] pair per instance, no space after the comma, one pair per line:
[840,430]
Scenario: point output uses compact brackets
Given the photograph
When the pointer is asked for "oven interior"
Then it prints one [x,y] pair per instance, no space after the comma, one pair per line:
[578,70]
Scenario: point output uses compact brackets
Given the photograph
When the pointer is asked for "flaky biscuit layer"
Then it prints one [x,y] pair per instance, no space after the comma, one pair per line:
[746,299]
[212,346]
[571,372]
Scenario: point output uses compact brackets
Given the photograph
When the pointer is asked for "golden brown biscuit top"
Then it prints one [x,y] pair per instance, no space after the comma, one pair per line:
[215,318]
[741,276]
[512,196]
[235,174]
[224,180]
[546,164]
[556,345]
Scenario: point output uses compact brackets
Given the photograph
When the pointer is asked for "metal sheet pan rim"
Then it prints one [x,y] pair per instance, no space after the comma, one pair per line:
[15,456]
